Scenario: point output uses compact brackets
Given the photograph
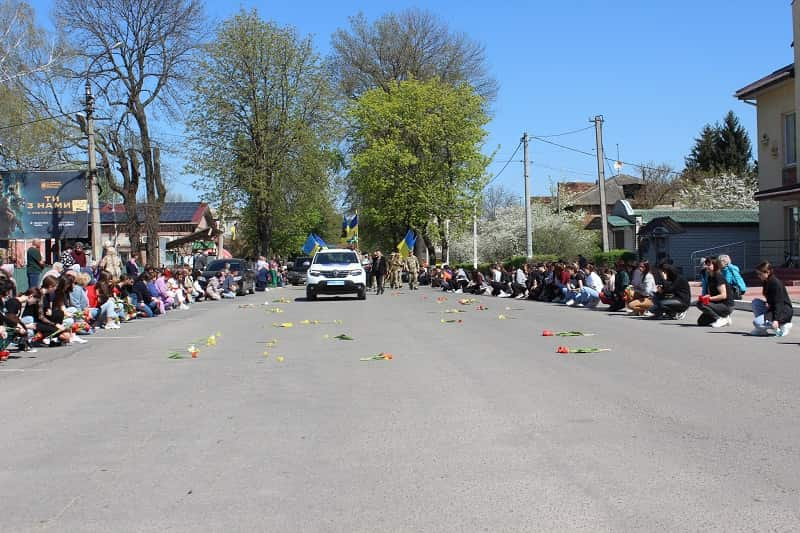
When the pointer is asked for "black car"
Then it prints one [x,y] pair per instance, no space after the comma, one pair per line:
[298,272]
[245,277]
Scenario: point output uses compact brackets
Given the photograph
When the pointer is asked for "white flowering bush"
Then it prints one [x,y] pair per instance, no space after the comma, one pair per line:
[556,233]
[724,191]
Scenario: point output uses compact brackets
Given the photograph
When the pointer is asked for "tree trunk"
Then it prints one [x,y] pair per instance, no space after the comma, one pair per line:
[431,248]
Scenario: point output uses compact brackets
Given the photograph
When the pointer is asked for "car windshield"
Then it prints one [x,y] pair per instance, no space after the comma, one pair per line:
[301,264]
[219,264]
[335,258]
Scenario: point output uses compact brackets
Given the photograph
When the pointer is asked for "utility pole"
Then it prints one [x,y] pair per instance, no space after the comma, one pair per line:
[601,179]
[528,229]
[475,238]
[447,238]
[94,193]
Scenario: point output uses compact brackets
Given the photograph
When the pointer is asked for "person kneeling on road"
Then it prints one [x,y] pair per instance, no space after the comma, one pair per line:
[716,306]
[672,297]
[776,312]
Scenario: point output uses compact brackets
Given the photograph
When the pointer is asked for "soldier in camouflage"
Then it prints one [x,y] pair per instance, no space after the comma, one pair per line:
[412,265]
[395,270]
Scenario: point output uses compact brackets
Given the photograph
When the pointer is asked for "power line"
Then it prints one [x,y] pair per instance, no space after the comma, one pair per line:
[629,163]
[571,132]
[590,154]
[506,165]
[565,170]
[37,120]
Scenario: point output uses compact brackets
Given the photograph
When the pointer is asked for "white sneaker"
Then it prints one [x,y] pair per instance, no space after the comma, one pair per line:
[503,294]
[184,307]
[459,291]
[648,314]
[721,322]
[79,340]
[570,302]
[680,316]
[784,330]
[521,296]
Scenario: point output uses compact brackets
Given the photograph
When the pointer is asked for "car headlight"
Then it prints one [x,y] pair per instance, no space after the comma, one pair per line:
[314,272]
[356,272]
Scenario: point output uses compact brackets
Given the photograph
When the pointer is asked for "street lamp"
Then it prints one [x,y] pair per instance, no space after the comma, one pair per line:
[94,192]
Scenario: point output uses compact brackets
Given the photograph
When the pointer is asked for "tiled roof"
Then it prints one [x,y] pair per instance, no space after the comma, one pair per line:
[613,221]
[767,81]
[614,191]
[701,216]
[171,213]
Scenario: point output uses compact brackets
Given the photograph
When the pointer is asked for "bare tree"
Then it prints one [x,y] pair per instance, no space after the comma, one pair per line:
[496,198]
[138,55]
[23,46]
[660,185]
[410,44]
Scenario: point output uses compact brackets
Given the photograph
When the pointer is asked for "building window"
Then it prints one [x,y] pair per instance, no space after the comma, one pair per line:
[619,239]
[789,139]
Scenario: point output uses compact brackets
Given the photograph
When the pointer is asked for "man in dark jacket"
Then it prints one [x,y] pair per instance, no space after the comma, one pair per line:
[379,268]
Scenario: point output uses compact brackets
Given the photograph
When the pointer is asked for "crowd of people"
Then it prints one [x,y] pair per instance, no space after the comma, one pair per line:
[636,287]
[74,297]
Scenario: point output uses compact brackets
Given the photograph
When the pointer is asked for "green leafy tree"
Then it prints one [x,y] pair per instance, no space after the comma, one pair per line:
[262,127]
[27,141]
[417,158]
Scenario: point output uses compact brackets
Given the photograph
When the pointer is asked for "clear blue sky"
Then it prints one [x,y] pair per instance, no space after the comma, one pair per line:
[657,71]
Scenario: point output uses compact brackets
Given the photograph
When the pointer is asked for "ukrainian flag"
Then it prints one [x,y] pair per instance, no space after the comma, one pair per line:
[352,229]
[406,246]
[313,244]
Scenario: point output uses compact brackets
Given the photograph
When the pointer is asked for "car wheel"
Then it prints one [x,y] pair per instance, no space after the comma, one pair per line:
[310,296]
[362,294]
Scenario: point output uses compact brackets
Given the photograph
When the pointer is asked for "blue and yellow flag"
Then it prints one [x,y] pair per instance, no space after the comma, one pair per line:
[313,244]
[406,246]
[350,228]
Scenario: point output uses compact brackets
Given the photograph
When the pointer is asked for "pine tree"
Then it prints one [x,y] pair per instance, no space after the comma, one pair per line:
[733,147]
[722,148]
[703,156]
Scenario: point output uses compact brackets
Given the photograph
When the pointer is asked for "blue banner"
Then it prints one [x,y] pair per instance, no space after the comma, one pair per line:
[43,205]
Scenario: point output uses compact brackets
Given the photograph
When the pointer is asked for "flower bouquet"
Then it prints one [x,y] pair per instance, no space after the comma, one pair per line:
[383,356]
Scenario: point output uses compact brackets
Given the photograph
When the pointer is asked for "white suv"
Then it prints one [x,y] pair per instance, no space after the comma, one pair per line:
[336,271]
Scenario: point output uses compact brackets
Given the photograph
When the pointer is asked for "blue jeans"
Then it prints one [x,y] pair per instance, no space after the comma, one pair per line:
[33,279]
[107,311]
[587,296]
[759,310]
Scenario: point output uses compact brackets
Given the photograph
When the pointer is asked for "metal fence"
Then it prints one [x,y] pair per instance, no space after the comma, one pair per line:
[749,254]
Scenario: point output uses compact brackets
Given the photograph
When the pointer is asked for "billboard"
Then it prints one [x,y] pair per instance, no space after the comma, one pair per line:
[43,205]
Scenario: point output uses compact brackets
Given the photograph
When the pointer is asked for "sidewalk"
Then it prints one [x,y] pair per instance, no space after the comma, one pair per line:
[745,304]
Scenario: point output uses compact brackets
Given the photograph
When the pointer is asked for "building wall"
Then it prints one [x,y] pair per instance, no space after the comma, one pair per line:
[701,237]
[772,106]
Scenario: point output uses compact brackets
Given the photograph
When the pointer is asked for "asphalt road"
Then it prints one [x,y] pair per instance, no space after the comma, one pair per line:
[472,426]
